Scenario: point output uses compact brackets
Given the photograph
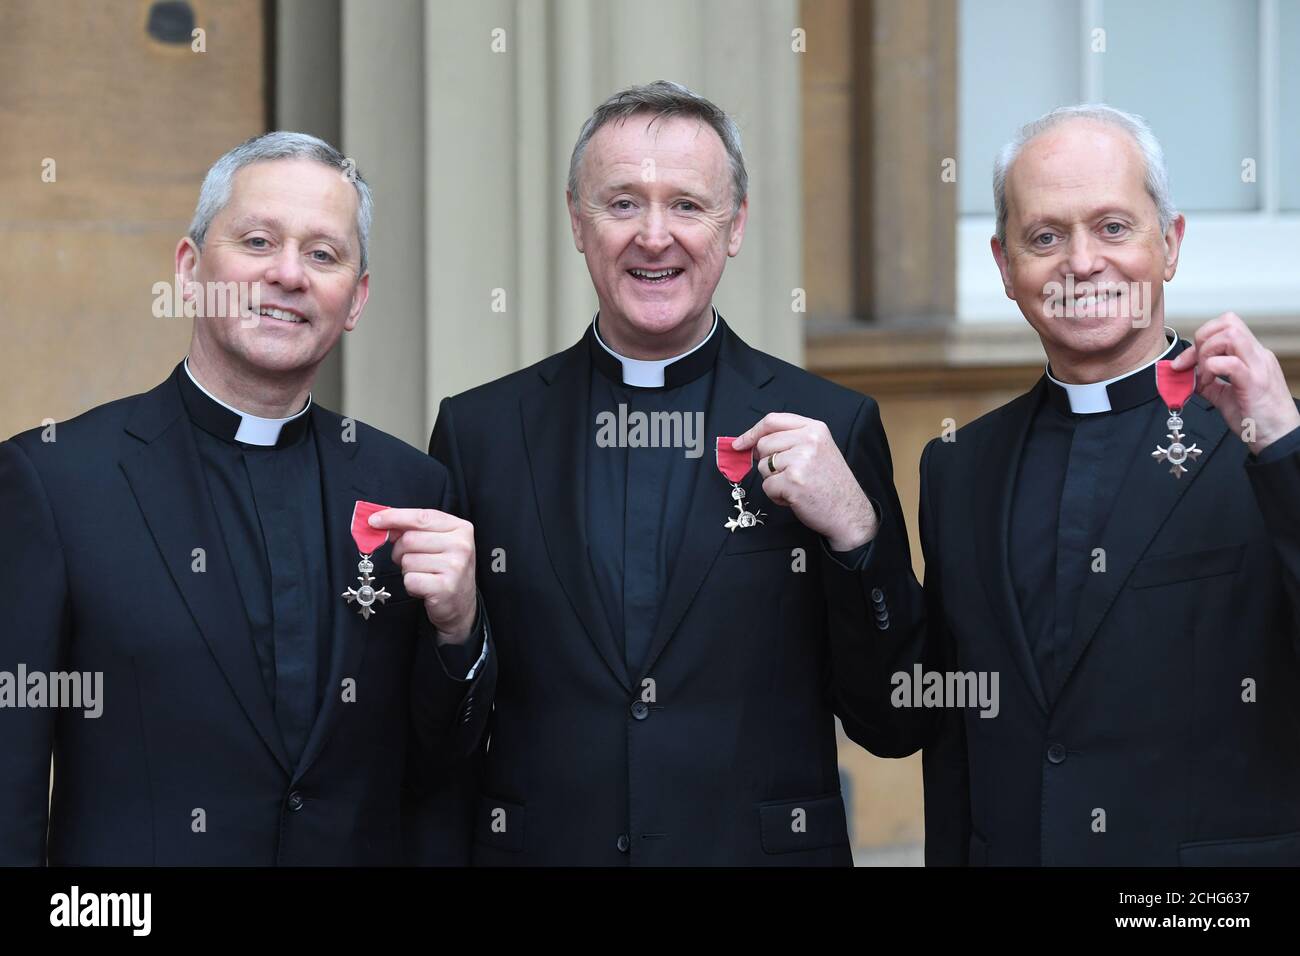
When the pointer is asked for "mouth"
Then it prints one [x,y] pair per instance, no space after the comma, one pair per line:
[655,276]
[287,316]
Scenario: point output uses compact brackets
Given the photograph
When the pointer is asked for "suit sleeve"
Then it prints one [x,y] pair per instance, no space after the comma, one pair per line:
[876,609]
[453,686]
[1275,476]
[945,769]
[34,628]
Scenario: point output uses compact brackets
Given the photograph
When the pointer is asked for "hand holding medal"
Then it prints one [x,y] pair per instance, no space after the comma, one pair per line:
[803,470]
[435,551]
[1242,379]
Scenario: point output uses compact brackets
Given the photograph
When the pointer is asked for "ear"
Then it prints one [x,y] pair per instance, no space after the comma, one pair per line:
[738,227]
[575,221]
[1004,266]
[1174,244]
[359,297]
[187,261]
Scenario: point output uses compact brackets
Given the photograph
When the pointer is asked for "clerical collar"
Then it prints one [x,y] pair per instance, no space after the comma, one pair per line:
[1115,394]
[658,373]
[230,424]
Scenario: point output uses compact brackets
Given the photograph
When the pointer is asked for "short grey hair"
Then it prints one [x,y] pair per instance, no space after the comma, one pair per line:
[282,144]
[1157,175]
[664,99]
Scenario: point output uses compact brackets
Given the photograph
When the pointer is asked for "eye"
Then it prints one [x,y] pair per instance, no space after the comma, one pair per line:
[1039,239]
[687,205]
[322,255]
[1113,228]
[253,240]
[622,205]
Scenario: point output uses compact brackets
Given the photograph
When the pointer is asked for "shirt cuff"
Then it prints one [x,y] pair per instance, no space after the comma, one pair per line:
[859,557]
[1288,444]
[456,658]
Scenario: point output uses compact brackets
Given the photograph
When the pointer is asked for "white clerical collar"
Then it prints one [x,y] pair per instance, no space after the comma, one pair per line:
[253,430]
[649,373]
[1093,397]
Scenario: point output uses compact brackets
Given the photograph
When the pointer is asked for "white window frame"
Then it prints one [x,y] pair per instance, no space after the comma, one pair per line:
[1243,262]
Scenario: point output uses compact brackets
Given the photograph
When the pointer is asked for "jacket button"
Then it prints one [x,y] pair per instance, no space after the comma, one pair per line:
[623,843]
[1056,753]
[882,624]
[296,801]
[640,710]
[877,596]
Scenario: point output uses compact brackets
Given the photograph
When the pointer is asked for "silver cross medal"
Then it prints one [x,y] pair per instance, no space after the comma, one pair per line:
[1177,454]
[746,519]
[366,595]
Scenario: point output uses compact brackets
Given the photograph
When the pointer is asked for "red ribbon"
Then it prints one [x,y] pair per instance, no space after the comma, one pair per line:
[368,539]
[1174,387]
[733,464]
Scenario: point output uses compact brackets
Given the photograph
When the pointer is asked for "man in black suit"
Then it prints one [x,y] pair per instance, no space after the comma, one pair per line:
[189,550]
[674,644]
[1132,578]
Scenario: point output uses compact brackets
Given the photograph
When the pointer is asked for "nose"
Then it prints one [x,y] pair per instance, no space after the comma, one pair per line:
[1084,255]
[654,235]
[286,270]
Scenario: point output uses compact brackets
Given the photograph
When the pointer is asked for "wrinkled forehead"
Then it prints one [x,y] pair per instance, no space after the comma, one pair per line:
[1078,164]
[681,144]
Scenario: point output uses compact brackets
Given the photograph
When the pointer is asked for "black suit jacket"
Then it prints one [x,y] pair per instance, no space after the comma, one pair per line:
[100,527]
[1199,594]
[721,749]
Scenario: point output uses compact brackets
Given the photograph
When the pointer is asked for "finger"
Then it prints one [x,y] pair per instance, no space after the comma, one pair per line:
[769,423]
[414,519]
[425,563]
[1213,327]
[1230,367]
[1184,359]
[777,489]
[427,586]
[430,542]
[779,441]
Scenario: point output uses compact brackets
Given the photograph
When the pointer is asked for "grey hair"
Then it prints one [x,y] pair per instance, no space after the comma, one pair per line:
[1157,175]
[665,99]
[282,144]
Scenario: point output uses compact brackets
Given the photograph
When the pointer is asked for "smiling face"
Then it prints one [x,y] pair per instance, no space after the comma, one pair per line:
[290,226]
[1085,259]
[656,220]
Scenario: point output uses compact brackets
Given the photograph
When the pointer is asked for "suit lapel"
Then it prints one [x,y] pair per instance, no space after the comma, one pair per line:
[167,480]
[1145,500]
[557,430]
[342,484]
[994,487]
[735,405]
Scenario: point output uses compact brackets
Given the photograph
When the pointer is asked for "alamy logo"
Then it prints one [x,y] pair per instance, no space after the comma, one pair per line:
[946,689]
[62,689]
[75,908]
[651,430]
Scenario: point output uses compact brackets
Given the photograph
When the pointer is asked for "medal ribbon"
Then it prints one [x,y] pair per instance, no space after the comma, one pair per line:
[368,539]
[733,464]
[1174,387]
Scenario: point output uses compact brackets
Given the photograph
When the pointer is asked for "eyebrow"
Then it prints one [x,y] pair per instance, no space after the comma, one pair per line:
[266,222]
[1101,212]
[633,185]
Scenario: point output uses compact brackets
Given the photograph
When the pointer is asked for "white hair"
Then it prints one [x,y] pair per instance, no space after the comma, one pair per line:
[1157,175]
[282,144]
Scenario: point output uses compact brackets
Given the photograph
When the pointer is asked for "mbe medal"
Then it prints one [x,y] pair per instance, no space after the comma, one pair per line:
[734,466]
[368,541]
[1175,388]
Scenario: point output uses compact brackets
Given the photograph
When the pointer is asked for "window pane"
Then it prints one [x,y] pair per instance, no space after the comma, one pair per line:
[1289,103]
[1191,67]
[1017,59]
